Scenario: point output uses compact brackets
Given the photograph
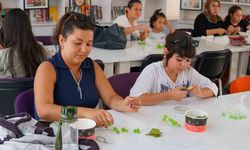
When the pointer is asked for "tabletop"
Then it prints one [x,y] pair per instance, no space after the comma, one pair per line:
[222,132]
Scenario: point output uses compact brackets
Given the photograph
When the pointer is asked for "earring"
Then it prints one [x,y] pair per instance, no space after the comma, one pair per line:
[164,60]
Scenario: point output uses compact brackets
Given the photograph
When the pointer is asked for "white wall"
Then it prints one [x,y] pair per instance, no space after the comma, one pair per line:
[12,3]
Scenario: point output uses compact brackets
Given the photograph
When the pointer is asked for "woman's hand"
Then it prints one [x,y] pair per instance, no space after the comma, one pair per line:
[178,93]
[221,31]
[143,35]
[142,28]
[196,91]
[100,116]
[131,104]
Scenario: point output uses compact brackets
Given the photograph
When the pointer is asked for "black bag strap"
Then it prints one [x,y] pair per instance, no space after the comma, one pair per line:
[13,126]
[10,126]
[25,115]
[41,127]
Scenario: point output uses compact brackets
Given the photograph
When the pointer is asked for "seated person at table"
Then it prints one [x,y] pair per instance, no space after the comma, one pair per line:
[158,23]
[234,22]
[173,78]
[133,31]
[209,22]
[71,78]
[21,54]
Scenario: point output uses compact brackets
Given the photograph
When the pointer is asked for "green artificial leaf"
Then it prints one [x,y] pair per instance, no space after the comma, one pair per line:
[154,132]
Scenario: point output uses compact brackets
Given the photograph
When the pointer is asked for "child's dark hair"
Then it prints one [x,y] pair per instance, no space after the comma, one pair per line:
[131,3]
[155,16]
[69,22]
[181,43]
[231,11]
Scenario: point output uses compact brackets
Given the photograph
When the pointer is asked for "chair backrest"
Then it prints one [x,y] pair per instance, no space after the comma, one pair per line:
[240,84]
[150,59]
[25,102]
[189,30]
[9,89]
[100,63]
[213,64]
[46,40]
[122,83]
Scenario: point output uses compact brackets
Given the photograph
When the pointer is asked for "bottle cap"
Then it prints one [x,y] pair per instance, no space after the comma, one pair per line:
[68,113]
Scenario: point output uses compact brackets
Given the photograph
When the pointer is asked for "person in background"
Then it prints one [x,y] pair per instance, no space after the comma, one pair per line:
[21,55]
[209,22]
[71,78]
[158,22]
[173,78]
[1,23]
[133,31]
[234,22]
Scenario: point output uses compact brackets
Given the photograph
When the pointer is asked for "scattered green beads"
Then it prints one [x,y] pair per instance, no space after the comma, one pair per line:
[171,121]
[164,118]
[137,131]
[116,130]
[141,42]
[124,130]
[110,124]
[233,116]
[159,46]
[154,132]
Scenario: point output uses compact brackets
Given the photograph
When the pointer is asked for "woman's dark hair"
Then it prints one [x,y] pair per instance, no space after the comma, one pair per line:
[1,37]
[155,16]
[231,11]
[131,3]
[69,22]
[17,35]
[181,43]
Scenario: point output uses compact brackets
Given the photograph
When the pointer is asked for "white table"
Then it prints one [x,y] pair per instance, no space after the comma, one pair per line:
[134,54]
[120,61]
[221,134]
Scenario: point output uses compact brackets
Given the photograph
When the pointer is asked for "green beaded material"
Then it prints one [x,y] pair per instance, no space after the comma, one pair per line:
[137,131]
[233,116]
[168,120]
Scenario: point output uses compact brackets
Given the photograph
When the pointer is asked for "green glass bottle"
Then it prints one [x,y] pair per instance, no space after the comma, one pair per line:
[67,134]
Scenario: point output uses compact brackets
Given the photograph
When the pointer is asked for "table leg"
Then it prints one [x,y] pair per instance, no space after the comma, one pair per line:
[109,69]
[233,66]
[243,63]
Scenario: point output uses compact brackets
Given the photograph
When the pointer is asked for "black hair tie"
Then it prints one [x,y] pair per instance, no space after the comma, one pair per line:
[185,42]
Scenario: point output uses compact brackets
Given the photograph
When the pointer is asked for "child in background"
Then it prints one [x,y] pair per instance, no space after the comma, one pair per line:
[173,78]
[158,24]
[234,22]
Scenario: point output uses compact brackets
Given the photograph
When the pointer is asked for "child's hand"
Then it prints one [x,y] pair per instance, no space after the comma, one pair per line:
[178,94]
[230,29]
[131,104]
[237,30]
[196,91]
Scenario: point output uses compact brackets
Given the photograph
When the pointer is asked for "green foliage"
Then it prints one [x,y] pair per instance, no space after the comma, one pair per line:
[154,132]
